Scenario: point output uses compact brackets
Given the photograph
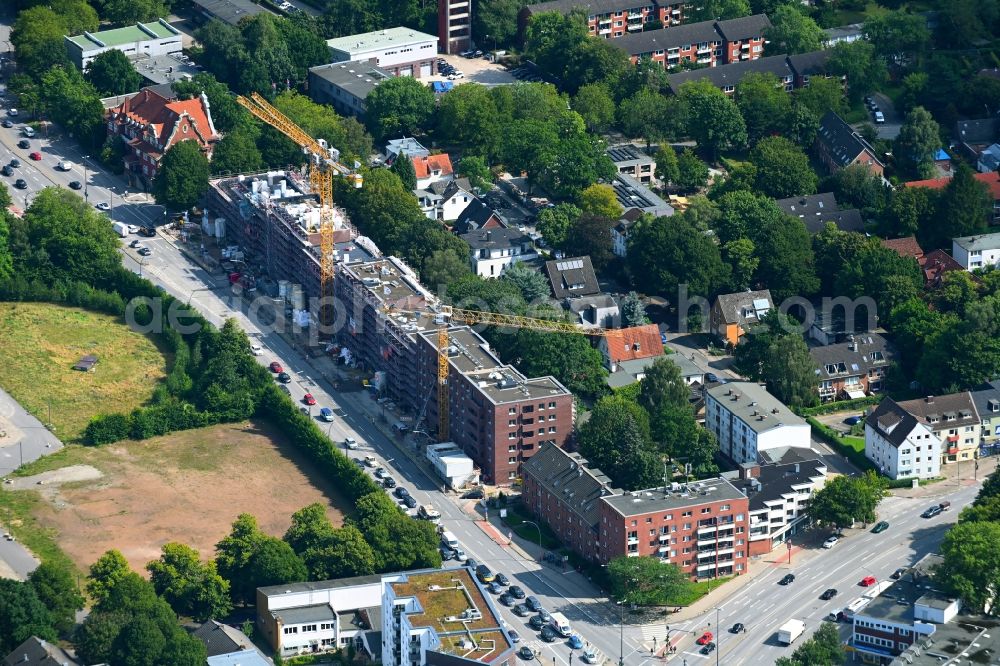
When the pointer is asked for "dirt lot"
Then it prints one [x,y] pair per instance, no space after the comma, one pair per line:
[187,487]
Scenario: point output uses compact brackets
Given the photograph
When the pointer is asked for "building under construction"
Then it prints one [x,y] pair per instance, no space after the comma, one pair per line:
[275,218]
[497,415]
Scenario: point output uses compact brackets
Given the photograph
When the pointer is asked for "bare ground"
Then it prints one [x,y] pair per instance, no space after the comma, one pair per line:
[187,487]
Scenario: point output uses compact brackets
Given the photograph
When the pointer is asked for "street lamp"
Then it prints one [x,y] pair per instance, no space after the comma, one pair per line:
[86,190]
[621,632]
[718,640]
[112,200]
[537,528]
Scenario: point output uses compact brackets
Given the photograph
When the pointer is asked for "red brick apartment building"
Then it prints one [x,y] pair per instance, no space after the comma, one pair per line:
[702,527]
[498,416]
[611,19]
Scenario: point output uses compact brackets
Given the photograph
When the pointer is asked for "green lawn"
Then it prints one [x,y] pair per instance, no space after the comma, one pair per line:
[696,591]
[39,343]
[515,520]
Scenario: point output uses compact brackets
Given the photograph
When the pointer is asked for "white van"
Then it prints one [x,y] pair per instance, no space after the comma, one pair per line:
[449,539]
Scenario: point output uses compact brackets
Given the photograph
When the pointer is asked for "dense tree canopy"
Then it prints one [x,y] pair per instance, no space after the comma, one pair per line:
[182,177]
[616,439]
[792,31]
[669,252]
[782,168]
[714,121]
[112,74]
[22,615]
[646,581]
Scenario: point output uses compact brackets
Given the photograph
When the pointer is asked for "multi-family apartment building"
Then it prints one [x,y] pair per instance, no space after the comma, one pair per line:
[611,19]
[400,51]
[953,420]
[708,43]
[499,417]
[493,250]
[418,618]
[840,146]
[630,160]
[701,527]
[454,25]
[779,498]
[978,251]
[747,420]
[792,71]
[899,445]
[345,85]
[987,401]
[818,210]
[852,369]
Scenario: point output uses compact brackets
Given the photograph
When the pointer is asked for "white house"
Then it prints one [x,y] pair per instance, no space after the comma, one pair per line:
[445,200]
[901,446]
[746,420]
[622,229]
[155,38]
[400,51]
[977,251]
[493,250]
[451,464]
[432,169]
[989,159]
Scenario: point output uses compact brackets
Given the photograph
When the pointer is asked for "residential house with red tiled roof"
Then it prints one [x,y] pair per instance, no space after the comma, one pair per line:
[905,247]
[637,343]
[150,124]
[432,169]
[935,264]
[991,180]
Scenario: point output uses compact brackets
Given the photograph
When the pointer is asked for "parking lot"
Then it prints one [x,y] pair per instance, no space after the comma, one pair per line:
[478,70]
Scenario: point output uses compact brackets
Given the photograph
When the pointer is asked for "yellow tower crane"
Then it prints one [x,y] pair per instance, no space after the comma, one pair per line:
[447,316]
[323,166]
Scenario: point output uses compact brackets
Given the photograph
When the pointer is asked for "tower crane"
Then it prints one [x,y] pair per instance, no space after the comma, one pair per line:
[323,166]
[445,315]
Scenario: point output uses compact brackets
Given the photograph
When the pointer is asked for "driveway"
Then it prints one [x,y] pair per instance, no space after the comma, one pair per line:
[893,120]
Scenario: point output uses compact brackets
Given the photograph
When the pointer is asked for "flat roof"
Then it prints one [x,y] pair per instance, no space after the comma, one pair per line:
[300,614]
[358,79]
[319,585]
[979,242]
[628,153]
[751,403]
[162,69]
[675,497]
[454,606]
[379,39]
[126,35]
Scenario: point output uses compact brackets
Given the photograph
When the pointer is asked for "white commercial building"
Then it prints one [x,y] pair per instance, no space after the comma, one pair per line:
[451,464]
[400,51]
[746,420]
[899,445]
[976,251]
[142,39]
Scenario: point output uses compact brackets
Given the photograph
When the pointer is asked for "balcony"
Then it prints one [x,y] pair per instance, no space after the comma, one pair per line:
[707,529]
[702,50]
[634,27]
[745,47]
[664,538]
[604,31]
[633,541]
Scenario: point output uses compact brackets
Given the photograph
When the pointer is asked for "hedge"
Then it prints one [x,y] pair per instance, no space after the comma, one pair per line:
[830,437]
[841,406]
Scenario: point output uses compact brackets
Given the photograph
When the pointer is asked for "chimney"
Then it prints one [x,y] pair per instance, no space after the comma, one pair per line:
[749,470]
[929,399]
[796,468]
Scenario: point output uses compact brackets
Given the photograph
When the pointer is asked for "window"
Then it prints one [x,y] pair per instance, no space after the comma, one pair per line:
[308,627]
[326,625]
[724,507]
[512,460]
[290,630]
[512,410]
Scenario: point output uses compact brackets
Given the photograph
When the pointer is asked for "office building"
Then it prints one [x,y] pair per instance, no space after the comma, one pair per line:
[150,39]
[399,51]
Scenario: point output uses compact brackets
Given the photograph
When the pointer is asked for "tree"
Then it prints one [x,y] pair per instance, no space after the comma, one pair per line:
[791,377]
[646,581]
[401,105]
[112,74]
[763,103]
[37,37]
[786,258]
[56,587]
[554,223]
[719,10]
[590,235]
[397,541]
[965,22]
[963,208]
[822,649]
[600,200]
[845,500]
[782,168]
[740,254]
[616,440]
[73,103]
[641,115]
[551,38]
[5,199]
[342,554]
[667,168]
[22,615]
[475,169]
[105,573]
[596,106]
[692,173]
[670,252]
[918,141]
[573,163]
[182,178]
[443,267]
[237,152]
[530,281]
[743,214]
[233,554]
[910,211]
[495,20]
[821,96]
[633,312]
[971,563]
[320,120]
[713,120]
[130,12]
[469,117]
[192,588]
[857,61]
[569,358]
[663,386]
[402,166]
[594,61]
[897,34]
[857,185]
[793,32]
[274,562]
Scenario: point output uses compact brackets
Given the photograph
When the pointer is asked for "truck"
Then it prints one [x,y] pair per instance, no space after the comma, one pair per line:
[120,228]
[561,624]
[790,630]
[428,512]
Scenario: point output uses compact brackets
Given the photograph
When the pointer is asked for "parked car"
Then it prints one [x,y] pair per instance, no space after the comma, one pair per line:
[544,614]
[831,541]
[284,377]
[711,377]
[868,581]
[460,554]
[275,367]
[522,610]
[880,526]
[506,599]
[502,579]
[870,102]
[326,414]
[380,473]
[853,420]
[879,118]
[255,348]
[475,493]
[309,400]
[533,603]
[549,634]
[526,653]
[516,592]
[485,575]
[12,113]
[14,163]
[401,492]
[285,389]
[446,553]
[24,144]
[388,482]
[495,588]
[8,123]
[514,636]
[828,594]
[7,170]
[410,502]
[789,578]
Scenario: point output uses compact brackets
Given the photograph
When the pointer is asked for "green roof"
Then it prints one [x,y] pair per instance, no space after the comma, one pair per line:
[120,36]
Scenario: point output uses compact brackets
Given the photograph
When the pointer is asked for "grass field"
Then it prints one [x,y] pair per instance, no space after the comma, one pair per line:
[39,343]
[187,487]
